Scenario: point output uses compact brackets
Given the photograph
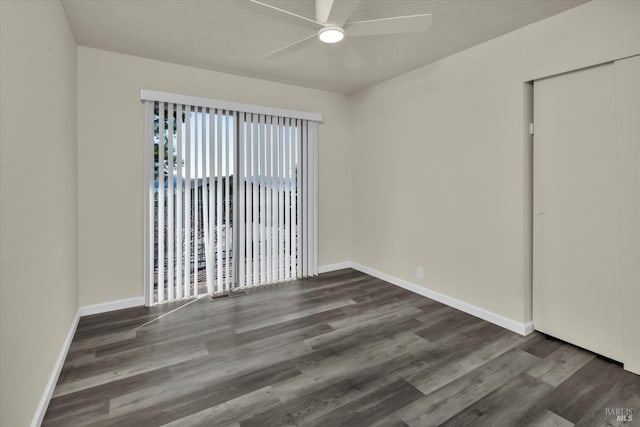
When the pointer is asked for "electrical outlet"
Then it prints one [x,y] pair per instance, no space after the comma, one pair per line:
[419,272]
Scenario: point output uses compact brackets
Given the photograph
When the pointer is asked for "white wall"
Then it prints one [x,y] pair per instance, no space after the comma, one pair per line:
[440,175]
[38,203]
[111,162]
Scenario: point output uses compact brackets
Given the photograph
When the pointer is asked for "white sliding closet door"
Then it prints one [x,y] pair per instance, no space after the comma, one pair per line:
[579,278]
[628,111]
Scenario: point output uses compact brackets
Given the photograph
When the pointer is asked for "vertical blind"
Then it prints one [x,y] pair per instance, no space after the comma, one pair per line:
[276,199]
[231,197]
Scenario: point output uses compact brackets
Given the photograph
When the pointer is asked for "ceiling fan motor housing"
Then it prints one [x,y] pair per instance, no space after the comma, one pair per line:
[331,34]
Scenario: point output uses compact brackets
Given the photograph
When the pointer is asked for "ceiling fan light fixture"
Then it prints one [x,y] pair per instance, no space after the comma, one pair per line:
[331,34]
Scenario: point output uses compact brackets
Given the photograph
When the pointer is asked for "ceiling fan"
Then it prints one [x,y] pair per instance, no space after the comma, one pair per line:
[331,24]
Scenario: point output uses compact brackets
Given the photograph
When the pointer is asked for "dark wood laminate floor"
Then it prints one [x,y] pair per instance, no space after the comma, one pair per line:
[340,349]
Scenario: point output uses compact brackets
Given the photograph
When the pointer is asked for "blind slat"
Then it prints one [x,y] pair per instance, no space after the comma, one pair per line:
[179,204]
[242,174]
[227,208]
[208,207]
[170,203]
[149,206]
[219,213]
[161,205]
[281,204]
[187,206]
[304,202]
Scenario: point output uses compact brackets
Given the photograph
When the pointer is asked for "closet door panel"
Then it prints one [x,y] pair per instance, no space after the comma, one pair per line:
[577,290]
[628,120]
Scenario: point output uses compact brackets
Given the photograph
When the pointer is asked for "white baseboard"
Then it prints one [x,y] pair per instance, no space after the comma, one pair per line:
[53,379]
[489,316]
[88,310]
[333,267]
[527,328]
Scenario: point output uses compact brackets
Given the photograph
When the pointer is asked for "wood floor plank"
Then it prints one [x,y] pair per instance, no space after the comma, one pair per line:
[273,320]
[451,367]
[120,320]
[503,405]
[390,421]
[581,392]
[429,305]
[343,348]
[150,342]
[381,291]
[436,315]
[168,410]
[331,366]
[83,413]
[372,407]
[560,365]
[231,411]
[444,327]
[360,369]
[294,411]
[456,346]
[85,405]
[92,342]
[445,402]
[134,315]
[235,347]
[623,399]
[368,310]
[541,417]
[542,345]
[377,328]
[100,372]
[206,372]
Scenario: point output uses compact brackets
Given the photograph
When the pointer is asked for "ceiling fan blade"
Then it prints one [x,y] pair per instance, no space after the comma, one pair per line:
[340,11]
[276,12]
[397,25]
[290,48]
[351,56]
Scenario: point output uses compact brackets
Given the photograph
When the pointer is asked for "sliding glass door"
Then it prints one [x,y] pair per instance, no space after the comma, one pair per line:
[231,200]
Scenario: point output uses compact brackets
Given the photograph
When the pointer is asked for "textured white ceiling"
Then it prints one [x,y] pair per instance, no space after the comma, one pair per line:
[233,35]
